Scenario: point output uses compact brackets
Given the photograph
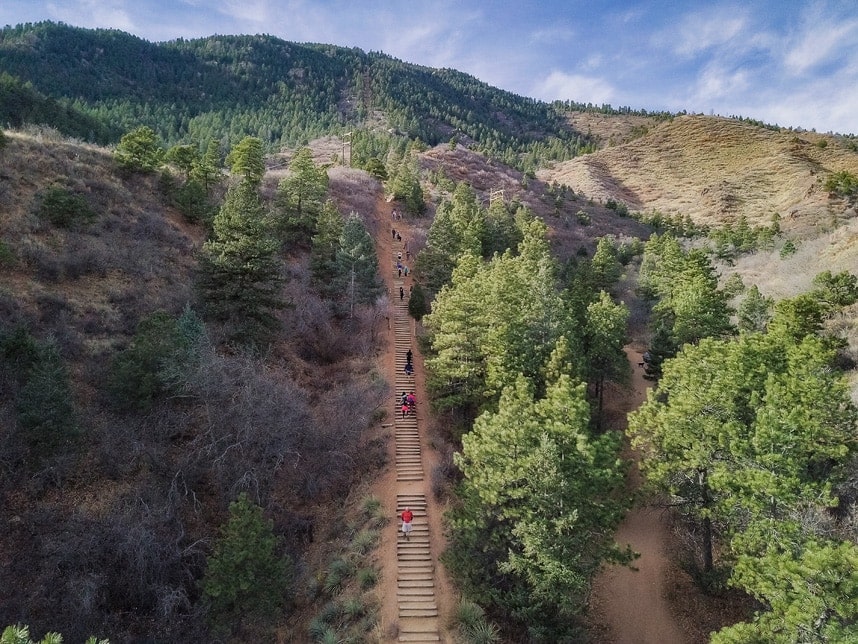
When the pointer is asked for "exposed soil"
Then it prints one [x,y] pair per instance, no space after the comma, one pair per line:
[632,605]
[655,601]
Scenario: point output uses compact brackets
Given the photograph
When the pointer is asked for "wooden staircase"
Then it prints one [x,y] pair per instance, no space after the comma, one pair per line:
[415,575]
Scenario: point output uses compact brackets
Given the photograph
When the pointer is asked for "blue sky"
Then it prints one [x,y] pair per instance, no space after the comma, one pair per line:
[790,62]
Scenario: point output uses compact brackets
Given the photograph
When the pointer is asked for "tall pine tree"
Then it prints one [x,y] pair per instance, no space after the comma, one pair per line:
[240,273]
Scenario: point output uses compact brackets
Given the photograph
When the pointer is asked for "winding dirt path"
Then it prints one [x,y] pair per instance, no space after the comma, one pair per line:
[630,605]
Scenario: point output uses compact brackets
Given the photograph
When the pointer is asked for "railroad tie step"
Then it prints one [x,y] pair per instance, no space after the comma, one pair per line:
[429,609]
[418,612]
[414,584]
[419,637]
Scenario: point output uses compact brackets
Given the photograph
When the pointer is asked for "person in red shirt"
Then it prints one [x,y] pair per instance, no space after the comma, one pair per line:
[407,517]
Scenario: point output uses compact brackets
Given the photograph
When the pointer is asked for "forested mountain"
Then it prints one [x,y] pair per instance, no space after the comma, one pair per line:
[228,87]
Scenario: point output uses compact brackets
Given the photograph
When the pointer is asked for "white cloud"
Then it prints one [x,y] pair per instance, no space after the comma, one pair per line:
[698,32]
[93,14]
[559,85]
[247,11]
[552,36]
[820,41]
[717,83]
[826,104]
[593,61]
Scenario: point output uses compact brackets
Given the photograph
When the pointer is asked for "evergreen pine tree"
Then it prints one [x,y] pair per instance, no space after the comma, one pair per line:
[240,274]
[357,275]
[244,574]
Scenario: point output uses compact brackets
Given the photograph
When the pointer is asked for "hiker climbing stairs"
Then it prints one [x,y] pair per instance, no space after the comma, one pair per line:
[415,573]
[409,465]
[415,579]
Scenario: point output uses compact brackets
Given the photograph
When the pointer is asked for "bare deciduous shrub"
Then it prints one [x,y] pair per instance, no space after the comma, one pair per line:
[445,474]
[44,263]
[132,561]
[80,263]
[51,305]
[355,191]
[255,424]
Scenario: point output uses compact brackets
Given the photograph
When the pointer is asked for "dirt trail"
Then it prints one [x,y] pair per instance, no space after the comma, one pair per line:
[630,605]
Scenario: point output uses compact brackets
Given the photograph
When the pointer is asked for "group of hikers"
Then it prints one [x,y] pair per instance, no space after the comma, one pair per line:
[407,404]
[400,267]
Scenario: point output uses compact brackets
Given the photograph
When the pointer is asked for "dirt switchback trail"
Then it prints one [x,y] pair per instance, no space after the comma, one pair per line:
[413,589]
[631,606]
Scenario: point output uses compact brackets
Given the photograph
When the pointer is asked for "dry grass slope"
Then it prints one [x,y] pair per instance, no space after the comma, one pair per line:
[88,285]
[715,170]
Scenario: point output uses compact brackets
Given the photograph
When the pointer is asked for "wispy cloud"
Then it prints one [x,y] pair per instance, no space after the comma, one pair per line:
[704,30]
[109,15]
[717,83]
[558,85]
[552,35]
[820,40]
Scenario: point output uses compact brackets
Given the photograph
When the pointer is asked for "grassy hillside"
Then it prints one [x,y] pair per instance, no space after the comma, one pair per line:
[716,170]
[109,532]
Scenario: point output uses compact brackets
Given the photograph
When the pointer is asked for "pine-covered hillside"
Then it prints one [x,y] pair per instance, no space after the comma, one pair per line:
[227,87]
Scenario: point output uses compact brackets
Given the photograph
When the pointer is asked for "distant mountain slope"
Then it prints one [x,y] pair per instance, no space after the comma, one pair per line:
[227,87]
[716,170]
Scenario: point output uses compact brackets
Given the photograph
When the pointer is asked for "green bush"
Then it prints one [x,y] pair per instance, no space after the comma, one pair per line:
[842,183]
[8,259]
[367,578]
[245,576]
[18,350]
[364,541]
[139,150]
[417,303]
[376,168]
[45,406]
[159,355]
[63,208]
[371,507]
[468,614]
[20,634]
[339,573]
[193,202]
[789,248]
[472,624]
[330,636]
[354,608]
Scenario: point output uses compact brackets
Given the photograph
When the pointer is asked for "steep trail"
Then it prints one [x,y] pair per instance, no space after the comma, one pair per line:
[414,590]
[415,569]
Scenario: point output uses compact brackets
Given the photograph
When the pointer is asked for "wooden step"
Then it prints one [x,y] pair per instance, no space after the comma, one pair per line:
[419,636]
[418,612]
